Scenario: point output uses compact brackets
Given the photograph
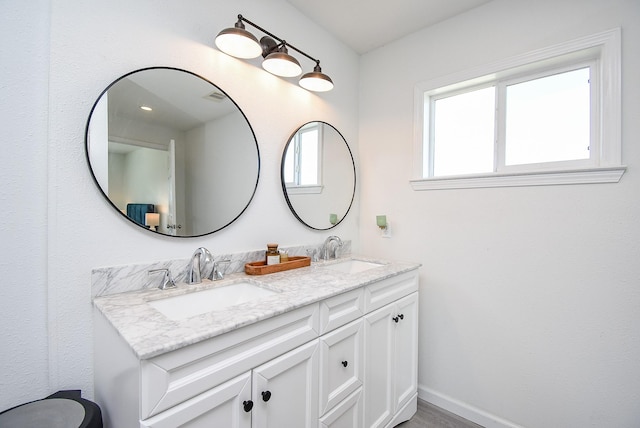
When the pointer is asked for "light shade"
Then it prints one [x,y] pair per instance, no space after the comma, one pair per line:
[316,81]
[282,64]
[238,42]
[152,219]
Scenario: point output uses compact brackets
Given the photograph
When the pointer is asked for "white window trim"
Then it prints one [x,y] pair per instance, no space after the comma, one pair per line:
[310,188]
[608,169]
[304,189]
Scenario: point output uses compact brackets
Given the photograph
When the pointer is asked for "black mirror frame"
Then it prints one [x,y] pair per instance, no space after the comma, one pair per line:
[284,186]
[106,197]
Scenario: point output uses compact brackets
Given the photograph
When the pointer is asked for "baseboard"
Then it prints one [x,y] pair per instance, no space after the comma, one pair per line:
[464,410]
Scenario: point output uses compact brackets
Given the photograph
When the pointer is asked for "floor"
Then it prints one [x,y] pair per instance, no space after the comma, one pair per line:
[430,416]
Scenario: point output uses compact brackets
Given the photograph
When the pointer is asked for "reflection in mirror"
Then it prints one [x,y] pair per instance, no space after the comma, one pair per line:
[163,140]
[318,175]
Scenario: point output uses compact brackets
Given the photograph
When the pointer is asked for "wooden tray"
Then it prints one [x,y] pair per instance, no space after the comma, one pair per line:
[261,268]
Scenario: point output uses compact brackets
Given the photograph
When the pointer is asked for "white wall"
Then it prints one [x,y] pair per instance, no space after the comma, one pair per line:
[57,226]
[222,158]
[530,296]
[145,178]
[23,198]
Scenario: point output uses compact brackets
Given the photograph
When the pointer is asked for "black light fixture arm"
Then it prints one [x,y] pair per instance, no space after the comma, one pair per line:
[281,41]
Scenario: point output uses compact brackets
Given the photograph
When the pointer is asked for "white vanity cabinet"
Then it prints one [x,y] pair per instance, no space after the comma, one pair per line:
[278,393]
[391,361]
[383,345]
[202,381]
[343,362]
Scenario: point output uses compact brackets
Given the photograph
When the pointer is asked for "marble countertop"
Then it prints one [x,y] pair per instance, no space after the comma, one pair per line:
[149,333]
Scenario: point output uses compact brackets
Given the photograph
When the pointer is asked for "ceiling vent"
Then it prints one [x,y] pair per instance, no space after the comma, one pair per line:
[215,96]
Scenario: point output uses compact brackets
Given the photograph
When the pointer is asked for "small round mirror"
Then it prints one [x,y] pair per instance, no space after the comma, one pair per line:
[318,175]
[172,152]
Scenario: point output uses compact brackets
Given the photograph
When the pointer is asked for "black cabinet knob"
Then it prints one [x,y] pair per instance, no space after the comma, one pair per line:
[401,316]
[345,363]
[396,319]
[247,405]
[266,395]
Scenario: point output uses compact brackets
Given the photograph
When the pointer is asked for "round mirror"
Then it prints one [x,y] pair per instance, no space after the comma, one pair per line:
[318,175]
[172,152]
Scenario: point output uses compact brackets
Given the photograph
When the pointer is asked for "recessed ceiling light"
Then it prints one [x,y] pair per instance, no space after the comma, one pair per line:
[146,108]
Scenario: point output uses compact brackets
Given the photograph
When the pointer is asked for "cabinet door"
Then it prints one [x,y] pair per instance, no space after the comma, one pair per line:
[379,329]
[405,350]
[221,406]
[340,364]
[285,390]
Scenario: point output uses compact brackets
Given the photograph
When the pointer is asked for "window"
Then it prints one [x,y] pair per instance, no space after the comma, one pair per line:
[547,117]
[462,138]
[301,168]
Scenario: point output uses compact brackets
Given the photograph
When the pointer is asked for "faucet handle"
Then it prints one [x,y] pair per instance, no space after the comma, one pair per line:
[167,280]
[311,252]
[216,274]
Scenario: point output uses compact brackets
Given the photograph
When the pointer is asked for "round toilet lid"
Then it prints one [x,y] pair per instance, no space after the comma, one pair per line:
[52,413]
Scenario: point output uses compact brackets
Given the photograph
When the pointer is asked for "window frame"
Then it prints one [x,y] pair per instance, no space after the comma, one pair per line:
[294,187]
[602,52]
[594,140]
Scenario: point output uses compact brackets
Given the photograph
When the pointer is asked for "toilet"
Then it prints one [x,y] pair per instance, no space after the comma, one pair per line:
[64,409]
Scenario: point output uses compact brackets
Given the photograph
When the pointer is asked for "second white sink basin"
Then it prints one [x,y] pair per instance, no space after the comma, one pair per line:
[213,299]
[353,266]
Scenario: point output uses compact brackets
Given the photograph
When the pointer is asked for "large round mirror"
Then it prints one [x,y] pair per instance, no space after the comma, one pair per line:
[318,175]
[172,152]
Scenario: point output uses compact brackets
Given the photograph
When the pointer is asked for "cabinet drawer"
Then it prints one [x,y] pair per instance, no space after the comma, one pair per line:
[389,290]
[346,414]
[341,309]
[341,367]
[174,377]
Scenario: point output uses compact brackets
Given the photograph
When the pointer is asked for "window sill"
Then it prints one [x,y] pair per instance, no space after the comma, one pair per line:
[542,178]
[303,190]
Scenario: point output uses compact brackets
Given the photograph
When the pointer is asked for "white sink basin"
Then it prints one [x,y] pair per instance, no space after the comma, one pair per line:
[353,266]
[214,299]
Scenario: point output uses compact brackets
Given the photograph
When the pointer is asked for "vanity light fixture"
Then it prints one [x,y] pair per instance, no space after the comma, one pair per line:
[240,43]
[152,220]
[146,108]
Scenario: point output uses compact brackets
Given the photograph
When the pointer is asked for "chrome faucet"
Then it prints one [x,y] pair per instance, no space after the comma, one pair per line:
[201,259]
[327,246]
[216,273]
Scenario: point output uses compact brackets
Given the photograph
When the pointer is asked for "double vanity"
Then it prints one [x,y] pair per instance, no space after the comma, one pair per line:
[329,345]
[333,344]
